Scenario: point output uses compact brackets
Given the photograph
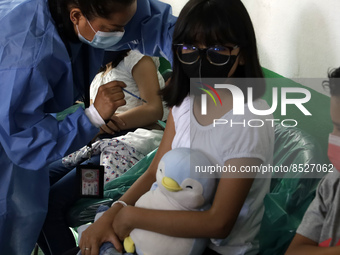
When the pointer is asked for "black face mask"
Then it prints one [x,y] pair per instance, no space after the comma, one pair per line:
[208,70]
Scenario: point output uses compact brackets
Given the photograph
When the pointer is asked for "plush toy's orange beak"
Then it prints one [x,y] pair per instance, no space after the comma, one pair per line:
[170,184]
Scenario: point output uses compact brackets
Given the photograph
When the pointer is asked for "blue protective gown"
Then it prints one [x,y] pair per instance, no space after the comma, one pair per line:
[38,77]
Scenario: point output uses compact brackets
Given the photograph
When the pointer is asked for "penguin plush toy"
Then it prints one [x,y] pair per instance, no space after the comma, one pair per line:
[176,188]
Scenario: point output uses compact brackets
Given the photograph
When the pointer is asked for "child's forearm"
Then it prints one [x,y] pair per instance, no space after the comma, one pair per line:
[305,249]
[187,224]
[217,222]
[140,116]
[302,245]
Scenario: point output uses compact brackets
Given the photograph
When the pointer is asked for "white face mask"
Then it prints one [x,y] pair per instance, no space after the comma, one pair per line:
[102,40]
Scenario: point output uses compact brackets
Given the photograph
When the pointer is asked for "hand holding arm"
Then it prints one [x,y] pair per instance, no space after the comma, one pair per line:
[217,222]
[145,75]
[111,127]
[101,231]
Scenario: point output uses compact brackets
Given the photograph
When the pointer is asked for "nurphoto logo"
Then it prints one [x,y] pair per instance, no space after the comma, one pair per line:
[301,97]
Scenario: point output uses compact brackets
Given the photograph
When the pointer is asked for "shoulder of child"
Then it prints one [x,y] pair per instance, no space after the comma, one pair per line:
[133,58]
[329,185]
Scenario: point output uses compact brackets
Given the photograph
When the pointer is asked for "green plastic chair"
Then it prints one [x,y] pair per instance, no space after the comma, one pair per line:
[290,197]
[291,194]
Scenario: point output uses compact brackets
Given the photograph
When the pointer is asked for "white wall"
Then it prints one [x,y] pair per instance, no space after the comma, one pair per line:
[296,38]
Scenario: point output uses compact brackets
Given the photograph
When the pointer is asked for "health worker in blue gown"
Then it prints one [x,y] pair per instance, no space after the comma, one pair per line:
[49,52]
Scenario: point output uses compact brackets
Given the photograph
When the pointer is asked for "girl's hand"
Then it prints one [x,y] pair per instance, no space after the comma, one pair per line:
[113,125]
[99,232]
[123,222]
[110,128]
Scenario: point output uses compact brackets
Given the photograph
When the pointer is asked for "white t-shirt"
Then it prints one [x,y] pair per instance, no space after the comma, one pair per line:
[225,142]
[123,72]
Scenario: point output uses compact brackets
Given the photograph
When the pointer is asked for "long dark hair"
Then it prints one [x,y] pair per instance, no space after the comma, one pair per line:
[213,22]
[115,61]
[60,10]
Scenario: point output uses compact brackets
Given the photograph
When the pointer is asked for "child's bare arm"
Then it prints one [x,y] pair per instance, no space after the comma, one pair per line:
[302,245]
[217,222]
[145,76]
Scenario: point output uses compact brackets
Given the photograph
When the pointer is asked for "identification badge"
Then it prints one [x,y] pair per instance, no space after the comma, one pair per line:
[91,179]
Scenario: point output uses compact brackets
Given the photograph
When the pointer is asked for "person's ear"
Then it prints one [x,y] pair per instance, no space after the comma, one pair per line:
[75,15]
